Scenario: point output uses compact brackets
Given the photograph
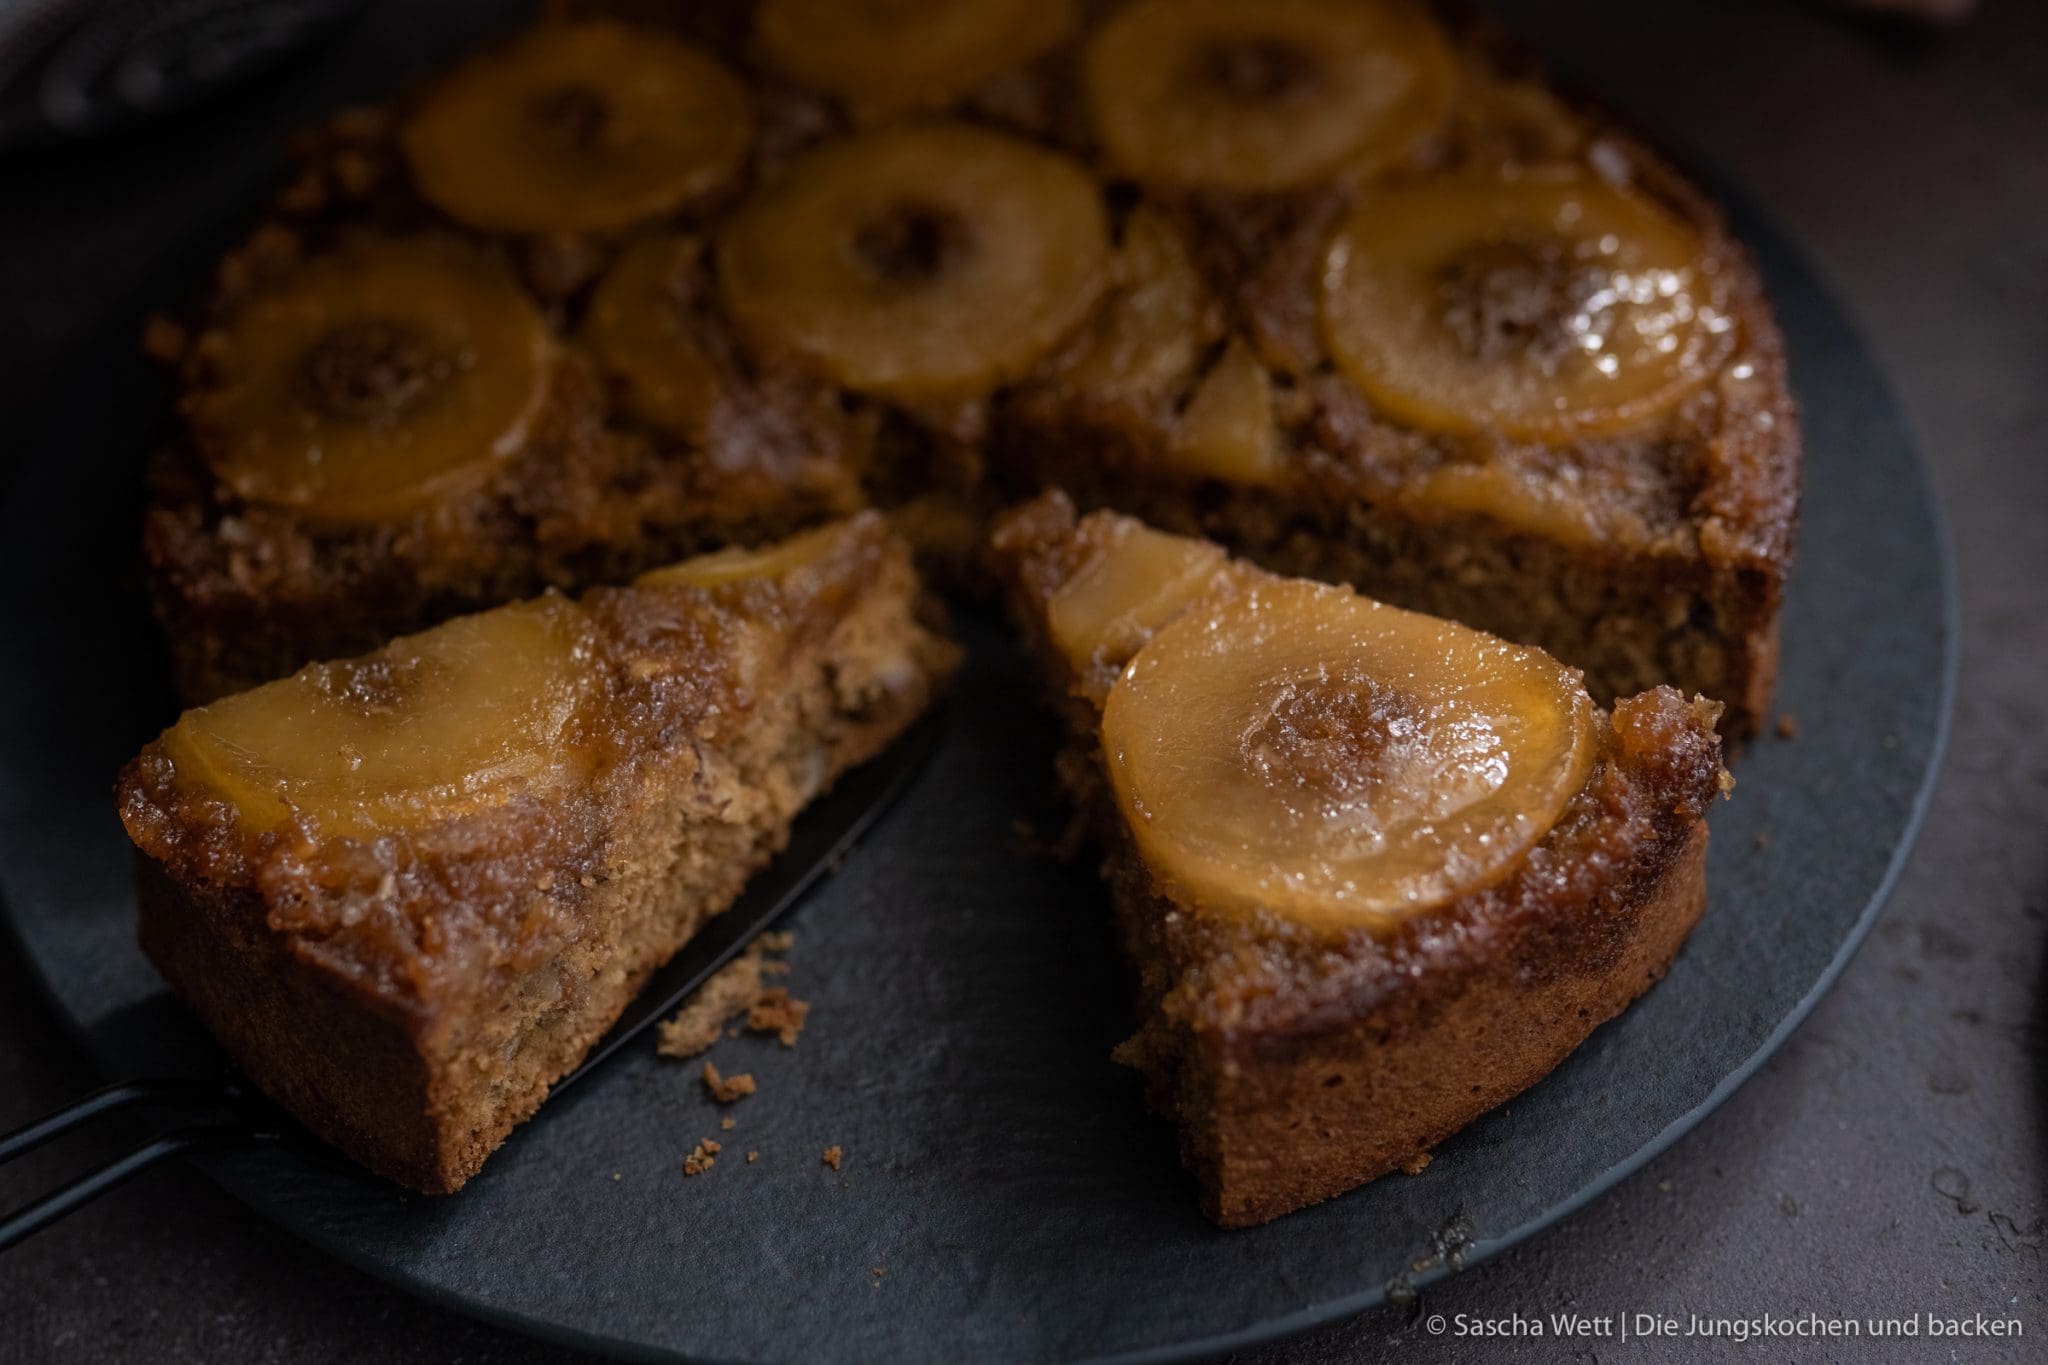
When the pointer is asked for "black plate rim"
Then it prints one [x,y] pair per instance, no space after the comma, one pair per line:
[1756,229]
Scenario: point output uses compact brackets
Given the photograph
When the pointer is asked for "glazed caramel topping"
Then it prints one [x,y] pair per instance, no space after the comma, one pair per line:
[374,370]
[1535,501]
[1542,307]
[1133,582]
[374,380]
[723,568]
[1267,97]
[578,114]
[1300,750]
[583,127]
[913,243]
[1259,70]
[1334,738]
[1532,300]
[1146,336]
[900,54]
[646,338]
[462,717]
[1228,430]
[924,261]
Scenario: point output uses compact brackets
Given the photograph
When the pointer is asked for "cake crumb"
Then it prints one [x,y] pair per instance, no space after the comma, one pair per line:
[752,1157]
[727,1089]
[728,1123]
[702,1158]
[696,1026]
[833,1156]
[1788,726]
[1416,1164]
[779,1013]
[735,989]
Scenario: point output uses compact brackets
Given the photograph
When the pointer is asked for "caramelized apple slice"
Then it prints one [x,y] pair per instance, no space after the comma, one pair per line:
[1147,336]
[1543,308]
[1257,98]
[374,380]
[436,725]
[639,327]
[741,564]
[902,54]
[929,261]
[1227,430]
[1133,582]
[582,127]
[1304,751]
[1526,500]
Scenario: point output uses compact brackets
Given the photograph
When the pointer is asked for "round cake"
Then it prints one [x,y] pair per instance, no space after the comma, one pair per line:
[1337,283]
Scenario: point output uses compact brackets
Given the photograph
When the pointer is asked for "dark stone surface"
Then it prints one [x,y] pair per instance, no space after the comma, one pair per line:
[1888,1160]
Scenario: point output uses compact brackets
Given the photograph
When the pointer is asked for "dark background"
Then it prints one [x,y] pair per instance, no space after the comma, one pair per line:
[1888,1160]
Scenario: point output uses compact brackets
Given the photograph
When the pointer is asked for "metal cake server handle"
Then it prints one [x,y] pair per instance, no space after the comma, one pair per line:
[199,1115]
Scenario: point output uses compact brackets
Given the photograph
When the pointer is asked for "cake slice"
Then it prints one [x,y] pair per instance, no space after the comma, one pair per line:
[408,891]
[1376,872]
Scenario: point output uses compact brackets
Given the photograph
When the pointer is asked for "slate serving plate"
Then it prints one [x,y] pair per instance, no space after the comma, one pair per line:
[1003,1195]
